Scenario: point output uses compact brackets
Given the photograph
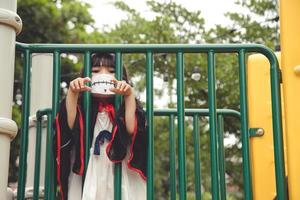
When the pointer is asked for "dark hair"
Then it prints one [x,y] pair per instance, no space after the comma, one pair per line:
[100,59]
[103,59]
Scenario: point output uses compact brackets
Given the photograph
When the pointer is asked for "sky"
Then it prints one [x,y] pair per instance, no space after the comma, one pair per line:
[213,11]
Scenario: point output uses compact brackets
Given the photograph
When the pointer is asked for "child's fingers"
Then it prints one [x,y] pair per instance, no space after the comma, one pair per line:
[86,88]
[86,79]
[118,85]
[126,88]
[72,87]
[113,90]
[114,80]
[123,85]
[76,84]
[81,83]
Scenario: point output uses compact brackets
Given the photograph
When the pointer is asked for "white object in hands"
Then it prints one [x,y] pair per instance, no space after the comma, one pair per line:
[101,85]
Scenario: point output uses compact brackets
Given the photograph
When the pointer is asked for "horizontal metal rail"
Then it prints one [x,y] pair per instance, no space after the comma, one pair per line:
[180,50]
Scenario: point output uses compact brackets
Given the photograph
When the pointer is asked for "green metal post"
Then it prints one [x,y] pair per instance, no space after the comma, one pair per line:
[37,157]
[87,110]
[118,166]
[281,185]
[172,151]
[244,126]
[197,157]
[169,48]
[221,157]
[48,173]
[213,125]
[56,82]
[49,168]
[181,134]
[149,109]
[25,125]
[55,99]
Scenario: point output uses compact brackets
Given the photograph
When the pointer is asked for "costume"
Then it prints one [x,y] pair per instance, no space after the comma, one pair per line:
[111,144]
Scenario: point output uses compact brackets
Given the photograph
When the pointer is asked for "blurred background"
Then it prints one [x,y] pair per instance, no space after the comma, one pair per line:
[151,22]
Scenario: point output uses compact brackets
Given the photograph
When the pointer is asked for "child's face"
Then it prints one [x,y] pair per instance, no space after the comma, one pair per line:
[103,70]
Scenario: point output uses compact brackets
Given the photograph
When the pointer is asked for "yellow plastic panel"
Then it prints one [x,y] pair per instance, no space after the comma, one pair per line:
[290,49]
[260,116]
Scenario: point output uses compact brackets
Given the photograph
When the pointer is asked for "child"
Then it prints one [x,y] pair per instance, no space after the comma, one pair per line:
[115,137]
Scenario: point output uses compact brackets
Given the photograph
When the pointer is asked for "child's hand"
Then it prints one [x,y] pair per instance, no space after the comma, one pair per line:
[121,87]
[78,85]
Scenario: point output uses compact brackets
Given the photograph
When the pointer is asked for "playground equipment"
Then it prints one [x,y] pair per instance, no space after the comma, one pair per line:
[10,25]
[254,187]
[217,174]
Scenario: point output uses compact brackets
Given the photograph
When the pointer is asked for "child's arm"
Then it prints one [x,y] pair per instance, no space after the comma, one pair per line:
[130,107]
[76,86]
[126,90]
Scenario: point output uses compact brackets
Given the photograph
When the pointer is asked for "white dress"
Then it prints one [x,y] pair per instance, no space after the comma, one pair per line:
[99,180]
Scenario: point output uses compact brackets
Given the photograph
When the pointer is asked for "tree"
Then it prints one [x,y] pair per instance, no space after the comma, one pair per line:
[172,23]
[170,26]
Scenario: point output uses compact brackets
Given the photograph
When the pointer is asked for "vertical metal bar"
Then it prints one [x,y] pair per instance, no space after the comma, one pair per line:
[181,134]
[49,168]
[55,102]
[48,173]
[172,158]
[197,157]
[52,178]
[118,166]
[277,131]
[221,157]
[25,125]
[37,161]
[149,109]
[87,110]
[56,82]
[213,125]
[244,126]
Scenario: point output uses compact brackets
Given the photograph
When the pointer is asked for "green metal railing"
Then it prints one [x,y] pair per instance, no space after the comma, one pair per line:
[49,171]
[215,119]
[220,172]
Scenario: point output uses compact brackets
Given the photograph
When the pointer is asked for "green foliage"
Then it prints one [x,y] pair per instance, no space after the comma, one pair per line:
[66,21]
[47,21]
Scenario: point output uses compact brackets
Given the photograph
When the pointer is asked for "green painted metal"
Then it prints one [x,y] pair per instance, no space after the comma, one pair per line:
[256,132]
[118,166]
[87,110]
[37,160]
[55,99]
[39,115]
[196,137]
[244,127]
[24,125]
[181,135]
[172,152]
[144,48]
[281,183]
[149,118]
[194,111]
[49,168]
[180,50]
[221,155]
[213,126]
[56,82]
